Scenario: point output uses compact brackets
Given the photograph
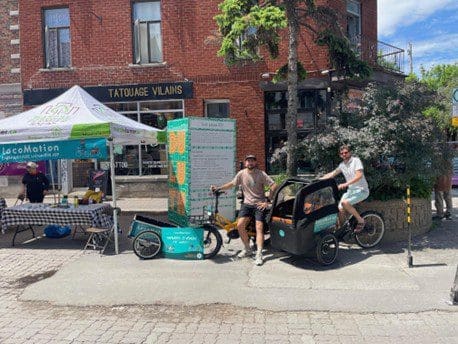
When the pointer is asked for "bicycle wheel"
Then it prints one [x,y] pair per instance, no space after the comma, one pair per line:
[327,249]
[147,244]
[212,241]
[373,231]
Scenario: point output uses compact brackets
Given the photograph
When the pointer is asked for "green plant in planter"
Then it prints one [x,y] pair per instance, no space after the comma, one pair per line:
[398,145]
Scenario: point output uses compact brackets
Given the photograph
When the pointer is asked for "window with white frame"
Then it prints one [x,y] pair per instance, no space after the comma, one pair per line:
[217,108]
[141,160]
[57,37]
[354,22]
[147,32]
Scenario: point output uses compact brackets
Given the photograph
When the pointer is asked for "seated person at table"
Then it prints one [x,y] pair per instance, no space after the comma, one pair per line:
[92,196]
[35,185]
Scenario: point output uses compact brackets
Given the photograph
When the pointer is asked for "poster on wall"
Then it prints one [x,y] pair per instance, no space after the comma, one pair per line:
[201,153]
[98,179]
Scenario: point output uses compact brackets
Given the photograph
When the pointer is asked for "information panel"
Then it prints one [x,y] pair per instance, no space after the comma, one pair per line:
[201,153]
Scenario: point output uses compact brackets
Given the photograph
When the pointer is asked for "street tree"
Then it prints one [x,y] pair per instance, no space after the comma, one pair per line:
[442,79]
[248,25]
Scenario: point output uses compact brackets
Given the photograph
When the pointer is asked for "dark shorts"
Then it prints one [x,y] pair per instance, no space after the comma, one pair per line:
[247,210]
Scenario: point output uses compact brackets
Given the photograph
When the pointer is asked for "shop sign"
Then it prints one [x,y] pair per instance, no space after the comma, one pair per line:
[53,150]
[118,93]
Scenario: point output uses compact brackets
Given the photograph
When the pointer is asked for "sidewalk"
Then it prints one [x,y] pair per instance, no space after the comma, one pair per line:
[377,280]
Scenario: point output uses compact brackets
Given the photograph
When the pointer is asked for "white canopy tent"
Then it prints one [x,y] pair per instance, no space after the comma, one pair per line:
[77,115]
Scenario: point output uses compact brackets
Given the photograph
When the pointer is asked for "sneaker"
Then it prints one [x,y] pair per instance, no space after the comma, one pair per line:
[448,216]
[245,253]
[438,217]
[258,261]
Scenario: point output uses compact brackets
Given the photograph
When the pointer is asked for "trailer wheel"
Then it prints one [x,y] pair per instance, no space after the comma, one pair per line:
[147,245]
[327,249]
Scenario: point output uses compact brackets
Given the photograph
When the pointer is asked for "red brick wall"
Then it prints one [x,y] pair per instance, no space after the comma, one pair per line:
[102,55]
[369,19]
[10,77]
[6,48]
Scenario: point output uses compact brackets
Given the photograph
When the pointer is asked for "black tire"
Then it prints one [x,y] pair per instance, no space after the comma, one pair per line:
[327,249]
[212,241]
[147,245]
[373,231]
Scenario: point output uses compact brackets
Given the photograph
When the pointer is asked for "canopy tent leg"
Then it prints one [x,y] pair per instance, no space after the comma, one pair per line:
[52,181]
[113,192]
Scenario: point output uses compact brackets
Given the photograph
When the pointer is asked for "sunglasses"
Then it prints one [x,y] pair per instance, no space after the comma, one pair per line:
[344,153]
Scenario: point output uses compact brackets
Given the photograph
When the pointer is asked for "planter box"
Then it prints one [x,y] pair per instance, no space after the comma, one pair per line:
[394,214]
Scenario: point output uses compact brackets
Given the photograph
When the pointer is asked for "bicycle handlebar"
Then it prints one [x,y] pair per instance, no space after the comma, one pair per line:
[218,192]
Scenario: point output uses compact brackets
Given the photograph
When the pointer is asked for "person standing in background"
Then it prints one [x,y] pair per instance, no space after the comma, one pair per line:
[35,185]
[443,192]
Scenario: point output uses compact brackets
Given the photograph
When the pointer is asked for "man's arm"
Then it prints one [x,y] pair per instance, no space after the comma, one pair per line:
[272,189]
[330,175]
[226,186]
[45,185]
[358,176]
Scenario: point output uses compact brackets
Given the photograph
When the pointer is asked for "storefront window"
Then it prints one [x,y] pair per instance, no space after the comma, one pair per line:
[145,159]
[311,114]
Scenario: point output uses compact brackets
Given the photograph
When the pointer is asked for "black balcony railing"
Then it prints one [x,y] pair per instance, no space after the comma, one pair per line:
[379,54]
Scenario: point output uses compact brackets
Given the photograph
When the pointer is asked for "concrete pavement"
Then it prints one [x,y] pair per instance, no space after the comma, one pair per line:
[58,277]
[362,280]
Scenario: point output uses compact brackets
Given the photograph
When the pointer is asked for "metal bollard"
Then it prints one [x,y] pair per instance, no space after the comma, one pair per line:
[454,291]
[409,221]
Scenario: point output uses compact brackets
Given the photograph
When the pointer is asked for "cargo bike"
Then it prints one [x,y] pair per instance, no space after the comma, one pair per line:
[303,218]
[301,221]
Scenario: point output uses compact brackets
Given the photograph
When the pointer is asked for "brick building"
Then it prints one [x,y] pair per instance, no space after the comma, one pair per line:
[156,60]
[10,87]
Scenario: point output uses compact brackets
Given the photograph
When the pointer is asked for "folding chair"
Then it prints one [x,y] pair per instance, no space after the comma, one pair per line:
[99,238]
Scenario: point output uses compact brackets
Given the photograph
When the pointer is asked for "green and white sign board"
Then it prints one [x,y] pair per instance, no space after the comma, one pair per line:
[201,152]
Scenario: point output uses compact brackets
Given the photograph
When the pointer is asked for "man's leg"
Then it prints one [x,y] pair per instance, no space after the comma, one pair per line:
[350,209]
[439,203]
[259,242]
[241,227]
[448,204]
[259,235]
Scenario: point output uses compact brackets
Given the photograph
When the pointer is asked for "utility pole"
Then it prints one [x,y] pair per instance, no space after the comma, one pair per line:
[409,52]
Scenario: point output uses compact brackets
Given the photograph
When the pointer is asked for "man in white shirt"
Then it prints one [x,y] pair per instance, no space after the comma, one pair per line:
[355,183]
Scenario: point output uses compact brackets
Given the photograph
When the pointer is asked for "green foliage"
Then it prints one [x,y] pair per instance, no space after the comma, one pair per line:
[412,77]
[282,73]
[442,79]
[343,57]
[384,62]
[440,76]
[397,144]
[280,178]
[246,26]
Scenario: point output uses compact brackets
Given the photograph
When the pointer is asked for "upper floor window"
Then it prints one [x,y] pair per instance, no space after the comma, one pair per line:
[57,37]
[354,21]
[147,32]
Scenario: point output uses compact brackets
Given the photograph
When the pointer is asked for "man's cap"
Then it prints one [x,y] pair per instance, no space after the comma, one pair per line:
[250,156]
[31,164]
